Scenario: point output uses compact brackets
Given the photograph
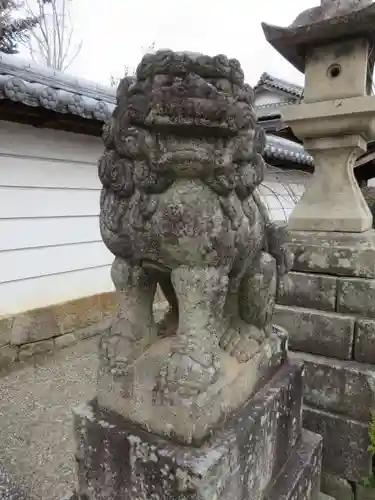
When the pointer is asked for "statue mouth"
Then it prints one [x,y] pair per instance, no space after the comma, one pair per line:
[221,117]
[188,160]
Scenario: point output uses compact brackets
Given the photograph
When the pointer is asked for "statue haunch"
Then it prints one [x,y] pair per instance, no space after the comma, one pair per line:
[180,208]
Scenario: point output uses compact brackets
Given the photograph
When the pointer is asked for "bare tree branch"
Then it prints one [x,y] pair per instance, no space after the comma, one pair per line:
[52,41]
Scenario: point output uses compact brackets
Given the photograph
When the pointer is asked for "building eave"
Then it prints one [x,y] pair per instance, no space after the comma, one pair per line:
[271,82]
[34,86]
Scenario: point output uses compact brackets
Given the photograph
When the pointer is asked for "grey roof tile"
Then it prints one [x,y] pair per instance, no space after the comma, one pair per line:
[283,149]
[31,84]
[279,84]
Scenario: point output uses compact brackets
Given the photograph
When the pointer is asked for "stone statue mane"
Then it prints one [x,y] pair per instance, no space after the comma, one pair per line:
[180,208]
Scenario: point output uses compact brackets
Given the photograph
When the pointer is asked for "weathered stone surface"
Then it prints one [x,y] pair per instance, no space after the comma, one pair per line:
[28,350]
[312,291]
[341,254]
[65,341]
[6,330]
[345,443]
[337,487]
[300,479]
[357,296]
[362,493]
[8,355]
[93,330]
[364,346]
[179,208]
[342,387]
[317,332]
[116,459]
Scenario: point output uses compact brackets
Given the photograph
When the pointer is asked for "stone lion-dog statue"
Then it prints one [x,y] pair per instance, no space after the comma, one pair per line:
[180,208]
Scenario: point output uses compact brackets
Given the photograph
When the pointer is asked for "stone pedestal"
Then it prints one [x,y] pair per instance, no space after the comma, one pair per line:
[363,493]
[260,453]
[330,314]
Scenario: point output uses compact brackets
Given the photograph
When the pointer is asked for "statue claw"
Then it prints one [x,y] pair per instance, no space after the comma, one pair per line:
[243,345]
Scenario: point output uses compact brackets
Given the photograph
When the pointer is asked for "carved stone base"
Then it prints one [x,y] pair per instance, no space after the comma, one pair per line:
[260,453]
[189,420]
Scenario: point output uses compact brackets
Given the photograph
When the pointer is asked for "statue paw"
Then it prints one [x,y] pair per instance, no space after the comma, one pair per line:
[186,374]
[242,345]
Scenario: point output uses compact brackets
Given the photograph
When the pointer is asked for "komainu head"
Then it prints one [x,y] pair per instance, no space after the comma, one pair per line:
[183,115]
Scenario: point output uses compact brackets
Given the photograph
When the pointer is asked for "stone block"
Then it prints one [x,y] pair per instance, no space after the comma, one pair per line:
[362,493]
[345,443]
[364,345]
[92,330]
[58,319]
[81,313]
[65,341]
[317,332]
[343,387]
[117,459]
[356,296]
[312,291]
[341,254]
[34,326]
[337,487]
[6,325]
[28,350]
[300,479]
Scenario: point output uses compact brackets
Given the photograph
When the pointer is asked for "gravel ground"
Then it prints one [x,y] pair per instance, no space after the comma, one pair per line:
[36,425]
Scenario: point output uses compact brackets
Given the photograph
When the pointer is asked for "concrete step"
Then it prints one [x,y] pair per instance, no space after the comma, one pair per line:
[300,478]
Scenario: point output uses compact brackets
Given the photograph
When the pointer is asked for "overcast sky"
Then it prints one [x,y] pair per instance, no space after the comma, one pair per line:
[115,31]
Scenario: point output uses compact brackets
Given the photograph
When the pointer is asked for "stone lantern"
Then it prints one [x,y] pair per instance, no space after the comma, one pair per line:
[330,310]
[333,44]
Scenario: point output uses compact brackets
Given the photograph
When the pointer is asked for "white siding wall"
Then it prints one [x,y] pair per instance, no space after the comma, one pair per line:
[50,245]
[266,97]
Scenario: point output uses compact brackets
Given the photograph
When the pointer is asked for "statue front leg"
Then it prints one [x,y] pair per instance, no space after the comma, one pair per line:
[193,364]
[134,329]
